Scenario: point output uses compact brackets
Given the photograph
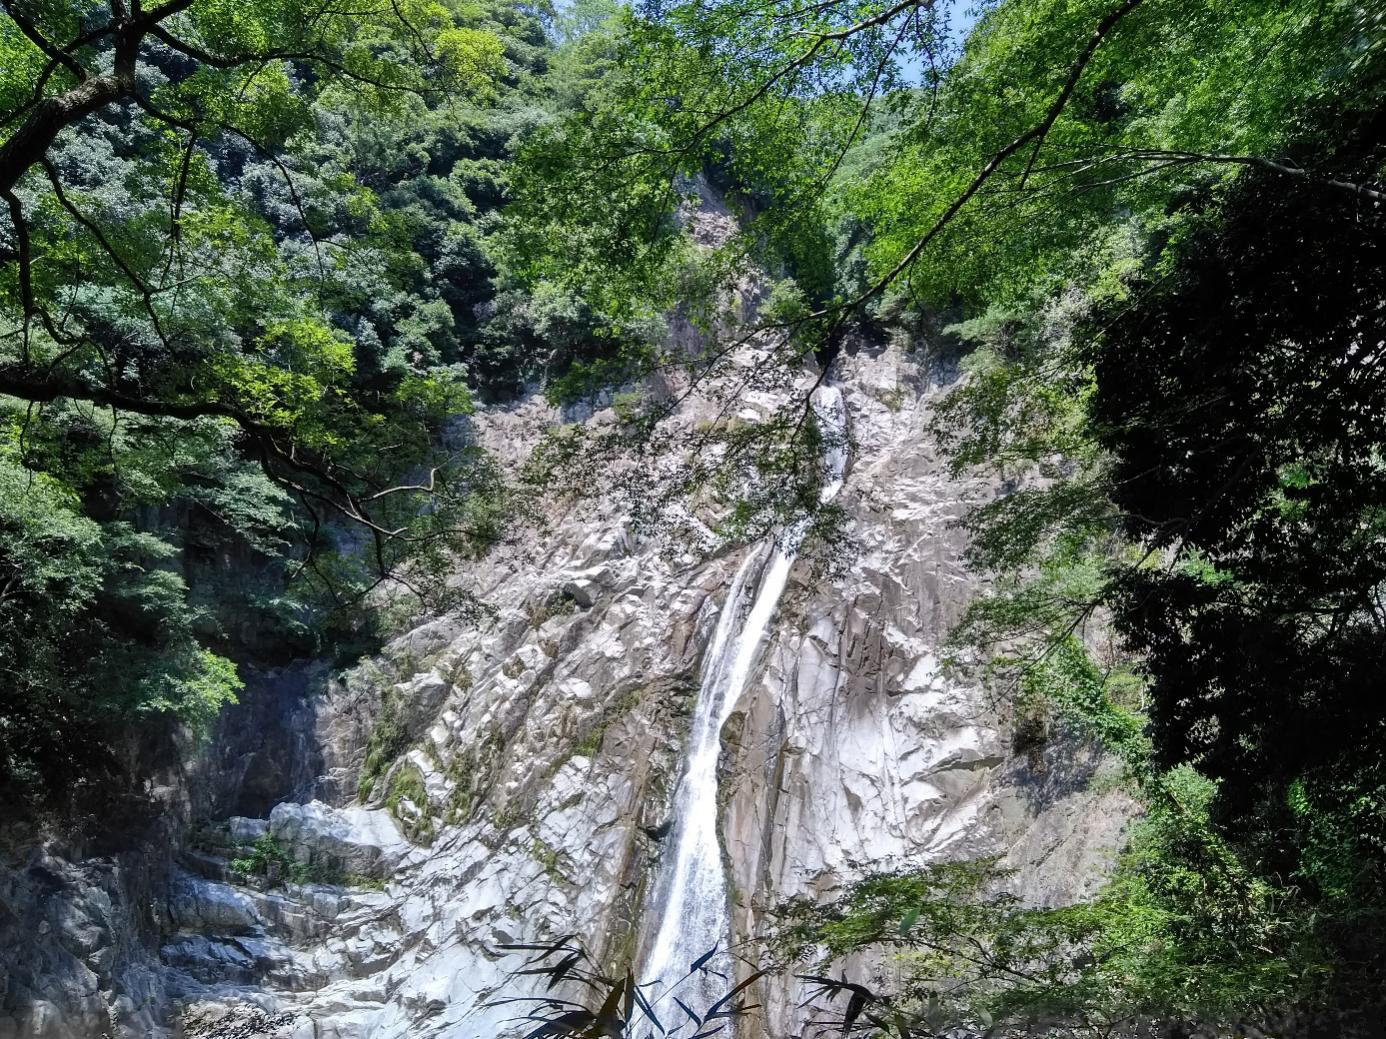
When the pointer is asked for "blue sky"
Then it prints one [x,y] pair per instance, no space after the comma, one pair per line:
[962,16]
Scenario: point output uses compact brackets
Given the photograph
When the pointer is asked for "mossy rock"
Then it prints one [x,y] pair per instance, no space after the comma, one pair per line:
[406,783]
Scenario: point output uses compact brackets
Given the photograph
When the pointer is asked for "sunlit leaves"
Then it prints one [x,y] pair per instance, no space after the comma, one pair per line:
[1213,79]
[471,57]
[1182,932]
[22,61]
[64,577]
[207,297]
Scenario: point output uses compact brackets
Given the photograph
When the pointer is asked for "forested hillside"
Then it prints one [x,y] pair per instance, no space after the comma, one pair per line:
[262,262]
[251,284]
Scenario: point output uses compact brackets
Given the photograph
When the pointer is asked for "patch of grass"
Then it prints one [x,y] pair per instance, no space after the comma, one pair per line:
[388,740]
[592,740]
[590,744]
[408,782]
[556,605]
[270,861]
[461,771]
[360,880]
[628,405]
[893,399]
[571,801]
[547,856]
[507,818]
[266,858]
[726,425]
[459,805]
[466,771]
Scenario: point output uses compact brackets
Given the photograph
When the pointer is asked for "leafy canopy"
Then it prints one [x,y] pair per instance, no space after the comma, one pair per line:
[241,440]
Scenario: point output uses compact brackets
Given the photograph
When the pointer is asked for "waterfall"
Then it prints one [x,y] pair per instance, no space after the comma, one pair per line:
[692,891]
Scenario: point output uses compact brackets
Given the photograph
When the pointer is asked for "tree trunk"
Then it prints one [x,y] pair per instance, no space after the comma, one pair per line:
[52,115]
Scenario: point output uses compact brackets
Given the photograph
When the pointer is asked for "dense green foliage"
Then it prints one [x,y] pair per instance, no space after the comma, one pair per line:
[250,287]
[1240,398]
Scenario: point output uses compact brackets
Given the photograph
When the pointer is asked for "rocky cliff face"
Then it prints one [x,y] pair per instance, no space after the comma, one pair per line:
[507,778]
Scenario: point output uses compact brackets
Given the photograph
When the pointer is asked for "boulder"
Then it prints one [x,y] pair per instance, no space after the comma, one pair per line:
[246,831]
[359,841]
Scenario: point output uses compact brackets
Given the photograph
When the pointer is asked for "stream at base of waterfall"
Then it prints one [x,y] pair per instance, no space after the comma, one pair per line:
[690,896]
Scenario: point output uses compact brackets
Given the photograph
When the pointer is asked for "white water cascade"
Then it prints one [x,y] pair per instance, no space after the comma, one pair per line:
[692,891]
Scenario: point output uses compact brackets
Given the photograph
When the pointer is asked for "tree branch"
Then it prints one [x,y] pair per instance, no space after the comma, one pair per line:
[1035,134]
[1299,172]
[62,56]
[820,40]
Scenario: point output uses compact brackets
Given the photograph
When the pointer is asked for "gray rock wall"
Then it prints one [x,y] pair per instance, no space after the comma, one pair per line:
[539,744]
[860,750]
